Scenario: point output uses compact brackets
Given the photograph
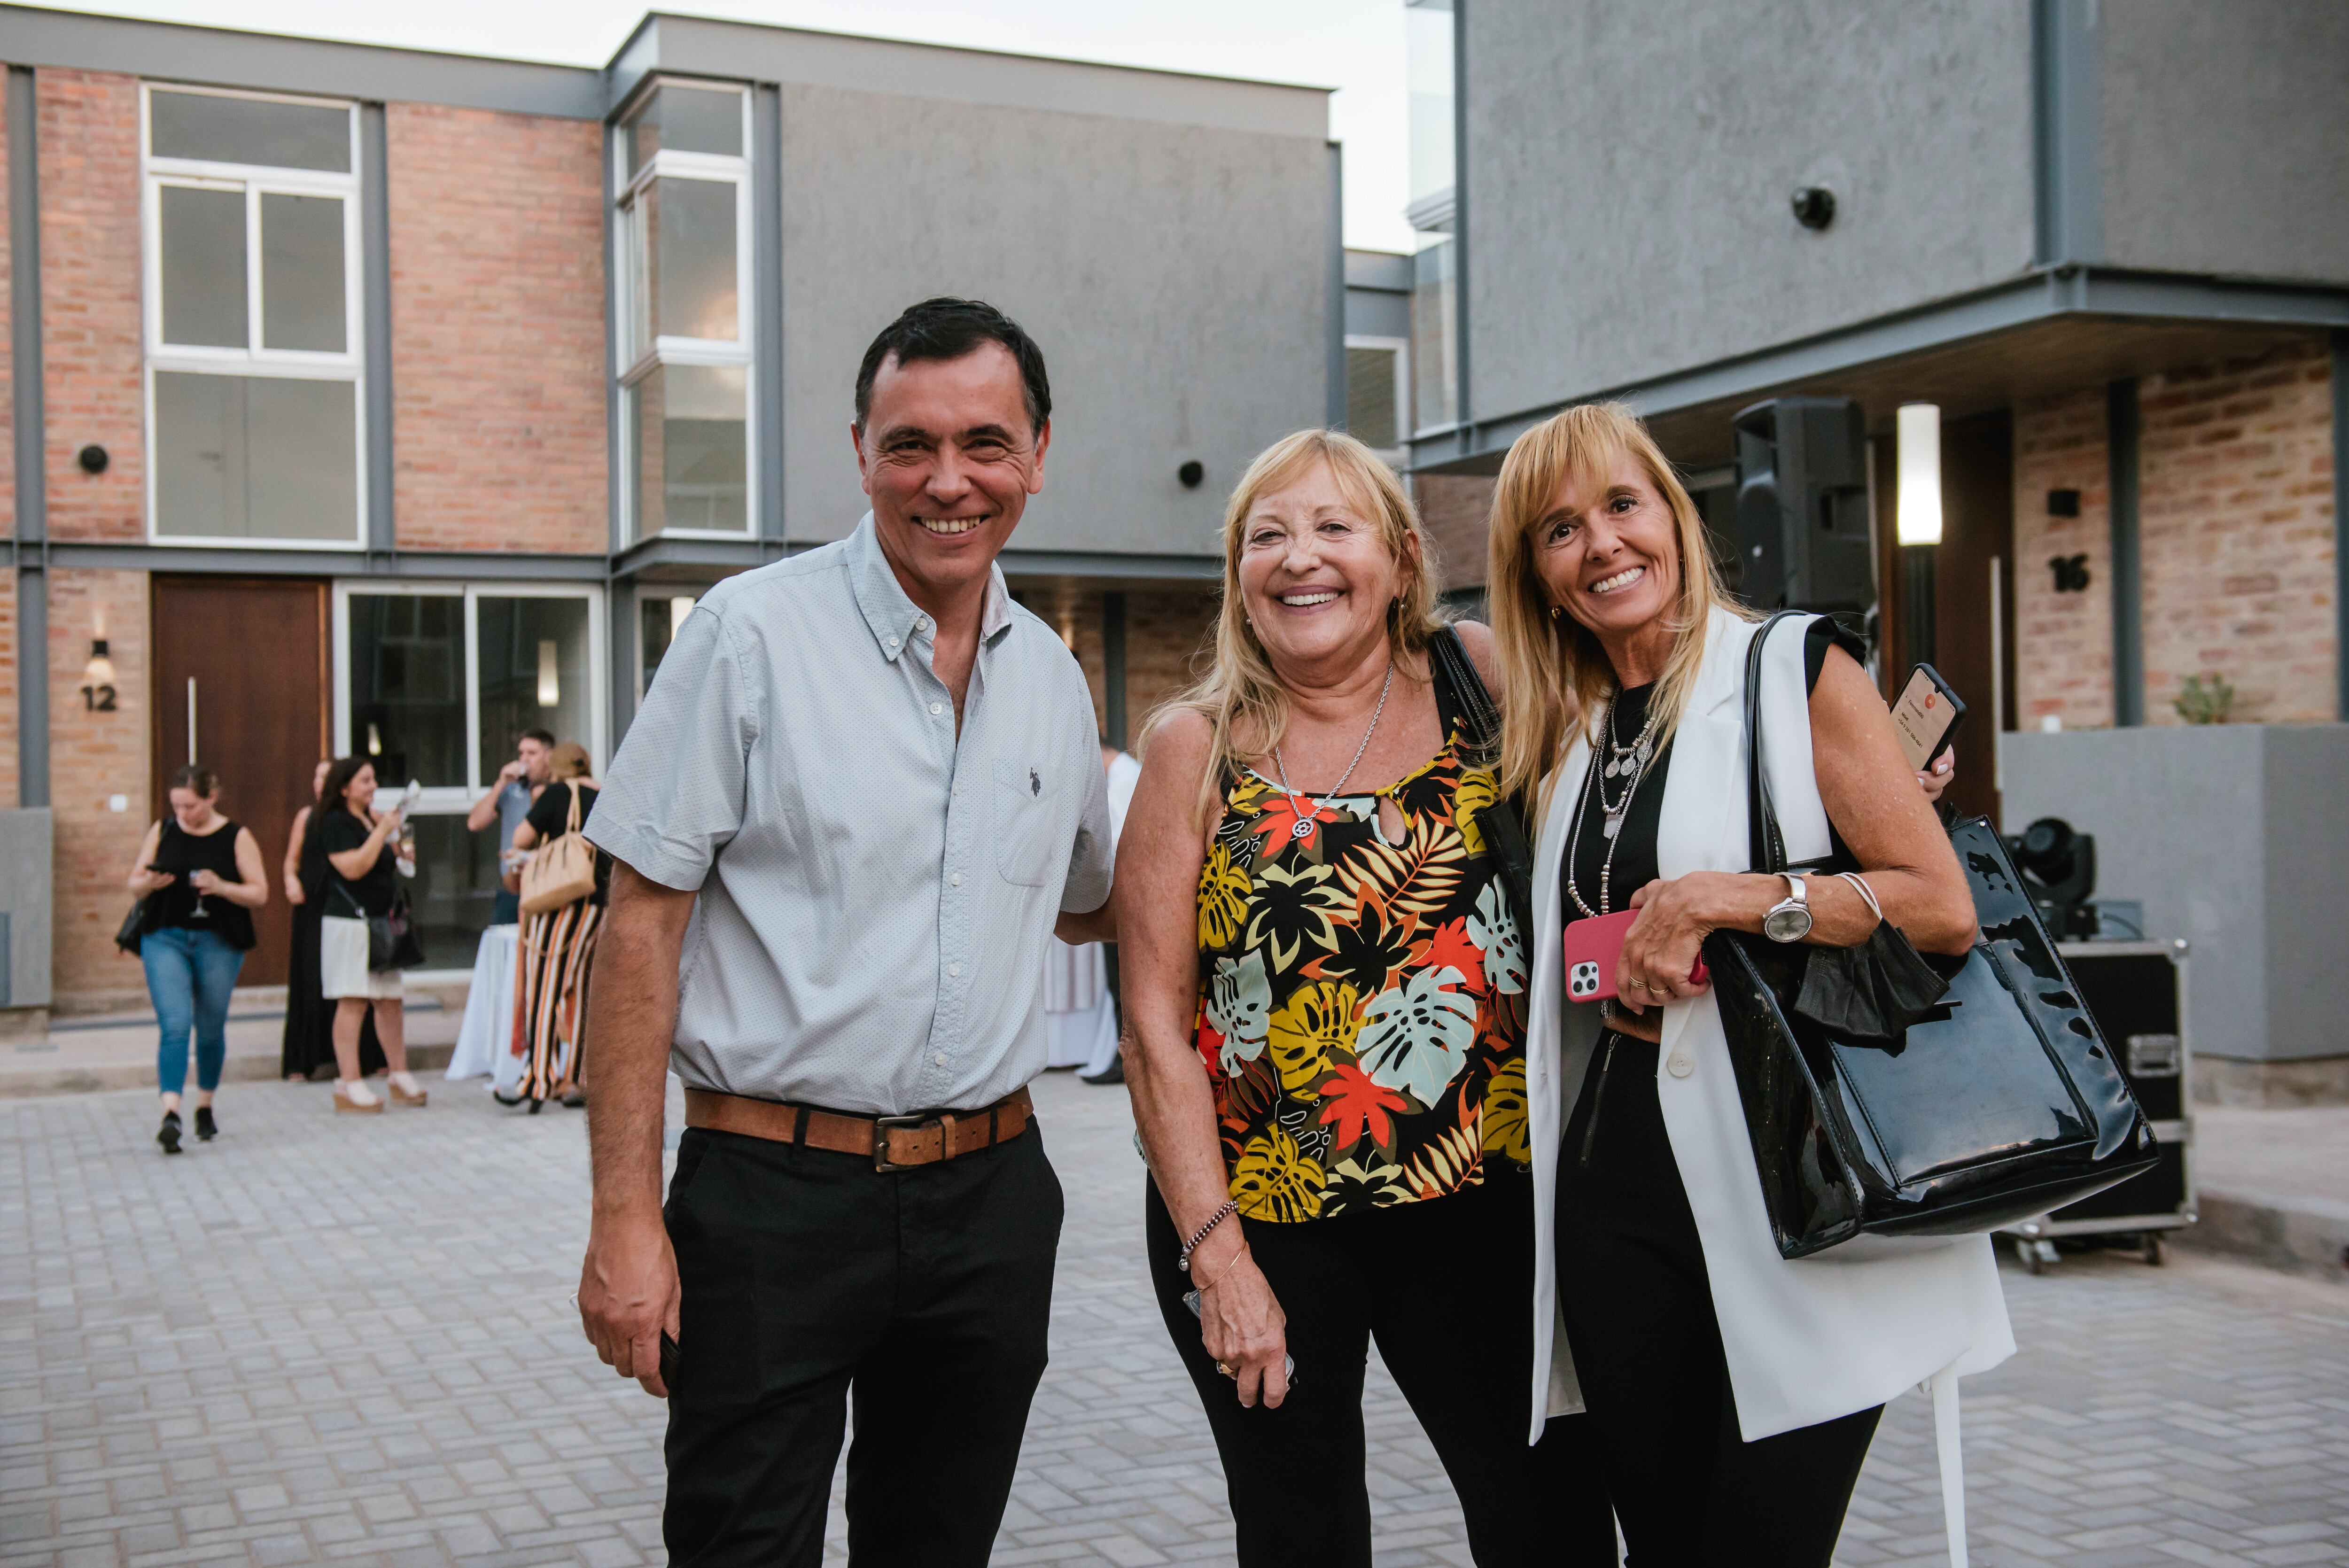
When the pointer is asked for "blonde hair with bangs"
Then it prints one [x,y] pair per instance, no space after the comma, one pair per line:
[1241,696]
[1558,675]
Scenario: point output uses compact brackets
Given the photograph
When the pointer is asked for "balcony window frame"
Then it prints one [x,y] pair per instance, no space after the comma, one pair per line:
[638,359]
[1400,348]
[445,799]
[256,180]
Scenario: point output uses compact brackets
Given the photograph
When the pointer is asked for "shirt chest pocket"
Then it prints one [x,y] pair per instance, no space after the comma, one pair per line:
[1024,810]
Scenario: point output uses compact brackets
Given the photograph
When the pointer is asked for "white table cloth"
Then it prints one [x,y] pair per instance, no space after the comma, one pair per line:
[485,1039]
[1078,1012]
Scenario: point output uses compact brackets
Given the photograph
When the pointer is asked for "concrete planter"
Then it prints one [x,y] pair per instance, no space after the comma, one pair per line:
[2235,838]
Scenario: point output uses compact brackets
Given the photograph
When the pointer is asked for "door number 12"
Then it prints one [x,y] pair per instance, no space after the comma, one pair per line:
[97,698]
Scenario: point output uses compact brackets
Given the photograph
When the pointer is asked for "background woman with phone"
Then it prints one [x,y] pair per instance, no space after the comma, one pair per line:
[1733,1393]
[358,842]
[201,877]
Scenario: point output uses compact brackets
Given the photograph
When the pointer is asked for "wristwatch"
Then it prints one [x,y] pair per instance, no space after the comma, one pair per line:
[1789,920]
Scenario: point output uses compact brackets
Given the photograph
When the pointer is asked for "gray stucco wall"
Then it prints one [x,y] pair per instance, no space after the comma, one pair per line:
[1629,169]
[2224,136]
[1177,277]
[25,853]
[2232,837]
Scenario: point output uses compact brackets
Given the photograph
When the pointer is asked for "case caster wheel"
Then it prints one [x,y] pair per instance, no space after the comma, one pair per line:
[2153,1256]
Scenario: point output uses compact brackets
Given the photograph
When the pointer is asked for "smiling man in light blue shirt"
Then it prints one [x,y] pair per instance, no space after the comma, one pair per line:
[863,792]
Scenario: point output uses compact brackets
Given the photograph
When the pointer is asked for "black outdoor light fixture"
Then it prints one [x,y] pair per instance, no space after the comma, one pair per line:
[1813,206]
[2063,503]
[92,459]
[1191,473]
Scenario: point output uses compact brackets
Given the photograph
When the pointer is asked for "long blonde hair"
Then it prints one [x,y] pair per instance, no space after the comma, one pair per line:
[1241,696]
[1557,673]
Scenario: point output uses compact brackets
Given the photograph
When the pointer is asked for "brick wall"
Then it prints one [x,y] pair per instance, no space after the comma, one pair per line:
[498,342]
[1454,508]
[7,360]
[1166,648]
[91,302]
[2235,521]
[93,755]
[2063,642]
[2236,538]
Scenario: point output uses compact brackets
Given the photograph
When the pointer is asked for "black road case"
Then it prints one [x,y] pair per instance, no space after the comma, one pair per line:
[2136,993]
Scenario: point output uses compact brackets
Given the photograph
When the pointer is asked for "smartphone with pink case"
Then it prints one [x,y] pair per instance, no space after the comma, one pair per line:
[1593,947]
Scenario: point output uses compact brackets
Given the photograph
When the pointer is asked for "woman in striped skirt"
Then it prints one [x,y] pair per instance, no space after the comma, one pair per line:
[557,946]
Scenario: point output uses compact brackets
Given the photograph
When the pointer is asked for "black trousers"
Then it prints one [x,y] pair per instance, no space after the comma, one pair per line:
[1444,1286]
[1647,1348]
[809,1280]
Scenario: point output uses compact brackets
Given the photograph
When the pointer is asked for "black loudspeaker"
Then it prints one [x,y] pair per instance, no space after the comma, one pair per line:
[1799,535]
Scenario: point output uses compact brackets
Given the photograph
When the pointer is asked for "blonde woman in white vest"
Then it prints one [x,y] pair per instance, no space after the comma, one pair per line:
[1733,1393]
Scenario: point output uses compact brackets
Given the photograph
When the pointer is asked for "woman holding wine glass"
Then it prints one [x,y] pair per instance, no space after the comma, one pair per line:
[200,877]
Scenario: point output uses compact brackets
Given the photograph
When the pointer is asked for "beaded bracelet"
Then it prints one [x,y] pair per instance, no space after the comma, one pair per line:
[1231,1206]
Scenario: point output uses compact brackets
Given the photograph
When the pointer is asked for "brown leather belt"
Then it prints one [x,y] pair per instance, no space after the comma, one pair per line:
[891,1142]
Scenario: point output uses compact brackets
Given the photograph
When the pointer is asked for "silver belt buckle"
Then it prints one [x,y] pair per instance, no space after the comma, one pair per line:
[880,1125]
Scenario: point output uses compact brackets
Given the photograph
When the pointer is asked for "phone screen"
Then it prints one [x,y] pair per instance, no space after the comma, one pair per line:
[1925,715]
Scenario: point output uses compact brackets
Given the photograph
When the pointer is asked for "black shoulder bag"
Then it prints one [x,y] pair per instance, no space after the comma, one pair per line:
[1883,1104]
[392,942]
[1480,724]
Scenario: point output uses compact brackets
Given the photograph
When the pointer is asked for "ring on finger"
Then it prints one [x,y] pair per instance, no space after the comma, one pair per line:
[1637,985]
[1225,1370]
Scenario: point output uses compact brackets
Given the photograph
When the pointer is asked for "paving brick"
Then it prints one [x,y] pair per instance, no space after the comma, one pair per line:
[322,1341]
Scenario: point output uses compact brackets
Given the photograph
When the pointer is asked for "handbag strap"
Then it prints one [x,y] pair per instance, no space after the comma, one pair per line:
[1766,845]
[1480,719]
[571,815]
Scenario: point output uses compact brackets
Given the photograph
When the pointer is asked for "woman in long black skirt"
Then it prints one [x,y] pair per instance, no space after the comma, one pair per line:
[309,1041]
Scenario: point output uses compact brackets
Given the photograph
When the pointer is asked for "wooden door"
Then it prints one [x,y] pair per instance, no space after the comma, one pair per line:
[1973,638]
[245,659]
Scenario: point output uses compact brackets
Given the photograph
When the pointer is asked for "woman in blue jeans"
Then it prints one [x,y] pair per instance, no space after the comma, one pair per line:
[201,876]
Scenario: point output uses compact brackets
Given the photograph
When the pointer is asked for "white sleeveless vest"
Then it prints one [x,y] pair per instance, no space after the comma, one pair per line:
[1805,1341]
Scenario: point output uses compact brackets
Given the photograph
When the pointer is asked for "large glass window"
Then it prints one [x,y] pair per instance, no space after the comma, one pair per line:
[683,227]
[437,684]
[1375,391]
[252,343]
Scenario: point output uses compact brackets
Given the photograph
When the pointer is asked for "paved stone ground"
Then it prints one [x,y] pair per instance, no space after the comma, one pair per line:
[347,1340]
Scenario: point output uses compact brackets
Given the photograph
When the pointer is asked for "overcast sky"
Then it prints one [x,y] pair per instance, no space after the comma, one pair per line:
[1353,45]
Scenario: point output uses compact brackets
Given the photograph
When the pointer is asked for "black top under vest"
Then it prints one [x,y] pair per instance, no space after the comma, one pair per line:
[178,853]
[1635,855]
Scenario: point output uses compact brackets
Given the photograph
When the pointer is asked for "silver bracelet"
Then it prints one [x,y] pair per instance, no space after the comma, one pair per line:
[1231,1206]
[1865,891]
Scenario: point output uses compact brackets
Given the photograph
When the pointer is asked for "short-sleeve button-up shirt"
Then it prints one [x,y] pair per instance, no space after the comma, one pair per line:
[876,890]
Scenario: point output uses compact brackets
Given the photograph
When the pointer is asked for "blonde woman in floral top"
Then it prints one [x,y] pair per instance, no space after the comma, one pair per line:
[1325,990]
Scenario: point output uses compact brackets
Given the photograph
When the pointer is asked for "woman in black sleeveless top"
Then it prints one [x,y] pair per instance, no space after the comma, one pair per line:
[201,878]
[308,1043]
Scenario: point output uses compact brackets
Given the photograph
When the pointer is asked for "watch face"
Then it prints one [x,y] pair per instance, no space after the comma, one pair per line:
[1787,923]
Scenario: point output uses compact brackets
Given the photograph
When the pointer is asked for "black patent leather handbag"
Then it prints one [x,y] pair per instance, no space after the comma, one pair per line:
[1996,1103]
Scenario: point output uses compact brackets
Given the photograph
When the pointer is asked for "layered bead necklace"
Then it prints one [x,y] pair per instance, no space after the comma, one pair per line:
[1629,763]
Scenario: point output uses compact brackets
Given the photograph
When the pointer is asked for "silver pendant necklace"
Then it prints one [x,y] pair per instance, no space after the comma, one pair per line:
[1612,825]
[1303,826]
[1628,761]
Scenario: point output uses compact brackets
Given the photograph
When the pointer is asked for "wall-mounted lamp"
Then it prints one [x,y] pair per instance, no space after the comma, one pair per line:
[1191,473]
[1813,206]
[375,739]
[1918,431]
[550,683]
[92,459]
[100,671]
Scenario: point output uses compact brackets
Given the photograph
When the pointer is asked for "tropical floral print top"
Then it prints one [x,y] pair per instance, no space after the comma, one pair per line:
[1362,1007]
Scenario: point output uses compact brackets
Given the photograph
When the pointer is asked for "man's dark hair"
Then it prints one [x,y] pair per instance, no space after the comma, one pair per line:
[948,328]
[543,737]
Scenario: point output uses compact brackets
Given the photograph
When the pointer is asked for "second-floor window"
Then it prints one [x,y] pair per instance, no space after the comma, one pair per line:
[254,417]
[683,227]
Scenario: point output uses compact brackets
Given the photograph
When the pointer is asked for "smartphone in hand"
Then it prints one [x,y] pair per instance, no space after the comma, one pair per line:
[1926,717]
[1593,948]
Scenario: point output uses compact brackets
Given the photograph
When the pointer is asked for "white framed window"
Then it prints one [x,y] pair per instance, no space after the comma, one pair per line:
[1377,392]
[255,418]
[438,680]
[682,233]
